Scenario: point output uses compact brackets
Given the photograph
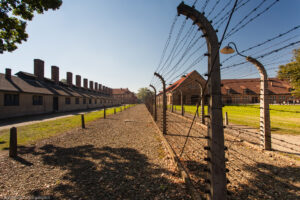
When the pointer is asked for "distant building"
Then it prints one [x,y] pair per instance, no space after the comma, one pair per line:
[234,91]
[187,86]
[124,96]
[245,91]
[30,94]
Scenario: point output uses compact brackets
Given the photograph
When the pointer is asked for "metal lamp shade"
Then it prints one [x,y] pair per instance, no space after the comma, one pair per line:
[227,50]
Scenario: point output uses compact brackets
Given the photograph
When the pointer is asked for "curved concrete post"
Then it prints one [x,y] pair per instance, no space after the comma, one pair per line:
[155,109]
[181,103]
[172,102]
[202,102]
[265,126]
[216,154]
[164,103]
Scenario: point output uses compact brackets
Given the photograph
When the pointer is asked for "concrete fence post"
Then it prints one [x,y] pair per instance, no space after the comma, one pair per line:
[226,119]
[164,103]
[201,101]
[155,105]
[13,143]
[104,113]
[216,171]
[265,125]
[181,102]
[82,121]
[115,111]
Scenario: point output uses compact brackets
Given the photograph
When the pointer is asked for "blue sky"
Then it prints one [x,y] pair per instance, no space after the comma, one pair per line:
[119,43]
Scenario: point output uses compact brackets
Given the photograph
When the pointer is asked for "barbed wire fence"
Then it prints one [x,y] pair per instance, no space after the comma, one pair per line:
[250,174]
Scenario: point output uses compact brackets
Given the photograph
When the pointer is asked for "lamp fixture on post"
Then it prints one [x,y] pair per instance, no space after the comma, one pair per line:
[265,130]
[229,50]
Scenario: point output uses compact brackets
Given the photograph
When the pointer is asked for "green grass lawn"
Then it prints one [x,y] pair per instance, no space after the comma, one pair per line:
[285,119]
[30,133]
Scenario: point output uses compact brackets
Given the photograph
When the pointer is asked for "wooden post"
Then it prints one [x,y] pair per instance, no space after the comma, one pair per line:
[115,111]
[226,119]
[104,113]
[13,143]
[215,152]
[82,121]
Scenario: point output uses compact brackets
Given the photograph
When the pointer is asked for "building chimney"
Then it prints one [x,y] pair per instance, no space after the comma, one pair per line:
[85,83]
[55,74]
[100,87]
[69,78]
[91,85]
[78,81]
[8,73]
[96,86]
[39,68]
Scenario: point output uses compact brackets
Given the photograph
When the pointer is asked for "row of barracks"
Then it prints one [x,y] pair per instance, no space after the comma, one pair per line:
[31,94]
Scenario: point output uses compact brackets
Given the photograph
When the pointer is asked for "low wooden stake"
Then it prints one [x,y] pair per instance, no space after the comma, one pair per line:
[82,121]
[13,143]
[226,118]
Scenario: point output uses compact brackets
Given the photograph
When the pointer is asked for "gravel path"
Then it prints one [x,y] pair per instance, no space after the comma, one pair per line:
[120,157]
[253,173]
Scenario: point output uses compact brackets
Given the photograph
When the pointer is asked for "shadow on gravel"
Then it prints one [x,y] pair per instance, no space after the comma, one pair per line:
[105,173]
[269,182]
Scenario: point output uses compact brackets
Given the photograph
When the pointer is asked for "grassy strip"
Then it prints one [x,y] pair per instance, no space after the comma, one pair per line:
[30,133]
[285,119]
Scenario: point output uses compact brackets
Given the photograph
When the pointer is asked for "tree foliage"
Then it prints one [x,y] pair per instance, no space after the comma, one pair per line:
[291,72]
[13,17]
[143,94]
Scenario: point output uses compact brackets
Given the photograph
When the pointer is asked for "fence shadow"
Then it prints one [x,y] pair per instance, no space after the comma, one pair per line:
[103,173]
[269,182]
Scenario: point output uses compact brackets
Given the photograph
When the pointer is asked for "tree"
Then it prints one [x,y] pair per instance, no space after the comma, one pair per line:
[291,72]
[143,94]
[13,17]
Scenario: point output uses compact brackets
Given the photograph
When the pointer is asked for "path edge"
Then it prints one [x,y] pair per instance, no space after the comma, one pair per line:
[184,175]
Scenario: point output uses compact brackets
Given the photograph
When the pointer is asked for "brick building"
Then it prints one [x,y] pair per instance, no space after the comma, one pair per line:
[30,94]
[187,86]
[234,91]
[124,96]
[246,91]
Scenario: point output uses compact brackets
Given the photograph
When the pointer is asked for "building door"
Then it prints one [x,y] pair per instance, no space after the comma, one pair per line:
[254,99]
[194,99]
[228,100]
[55,104]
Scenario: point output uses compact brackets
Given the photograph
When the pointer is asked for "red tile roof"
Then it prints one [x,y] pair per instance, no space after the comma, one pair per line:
[175,85]
[275,86]
[121,91]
